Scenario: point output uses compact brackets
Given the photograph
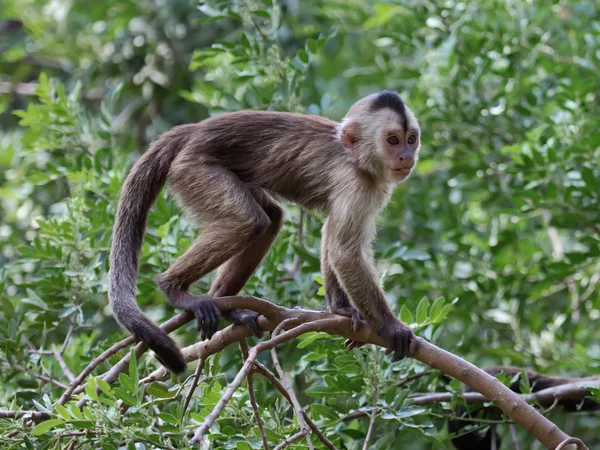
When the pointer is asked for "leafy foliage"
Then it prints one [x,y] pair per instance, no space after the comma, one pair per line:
[492,250]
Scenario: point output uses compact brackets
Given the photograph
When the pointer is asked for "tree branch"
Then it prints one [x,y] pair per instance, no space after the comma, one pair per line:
[287,384]
[36,416]
[511,403]
[245,349]
[577,390]
[371,421]
[293,438]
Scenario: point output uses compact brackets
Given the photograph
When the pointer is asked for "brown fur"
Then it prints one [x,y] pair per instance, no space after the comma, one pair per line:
[225,172]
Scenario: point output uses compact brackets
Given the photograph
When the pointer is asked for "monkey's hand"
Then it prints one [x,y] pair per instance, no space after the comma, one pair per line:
[245,317]
[401,339]
[349,311]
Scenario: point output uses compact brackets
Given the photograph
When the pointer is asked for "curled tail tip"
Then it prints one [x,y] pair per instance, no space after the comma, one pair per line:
[165,349]
[168,353]
[173,362]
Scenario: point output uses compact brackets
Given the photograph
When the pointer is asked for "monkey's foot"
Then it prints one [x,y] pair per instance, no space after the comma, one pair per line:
[401,340]
[245,317]
[357,321]
[207,314]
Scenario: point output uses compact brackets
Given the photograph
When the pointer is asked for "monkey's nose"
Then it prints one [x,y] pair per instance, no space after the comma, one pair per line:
[407,161]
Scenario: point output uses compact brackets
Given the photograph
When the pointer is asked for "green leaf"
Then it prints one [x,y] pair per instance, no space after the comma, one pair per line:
[444,313]
[45,426]
[33,299]
[87,424]
[104,387]
[133,369]
[90,388]
[311,337]
[127,398]
[436,309]
[405,315]
[422,309]
[62,412]
[127,383]
[159,391]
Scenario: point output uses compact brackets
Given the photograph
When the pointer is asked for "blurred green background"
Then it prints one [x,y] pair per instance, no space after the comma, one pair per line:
[501,219]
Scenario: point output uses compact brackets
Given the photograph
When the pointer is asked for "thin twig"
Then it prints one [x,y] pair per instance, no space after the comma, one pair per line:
[36,416]
[493,439]
[36,375]
[265,39]
[92,365]
[61,362]
[514,437]
[372,420]
[68,336]
[295,437]
[113,374]
[195,380]
[286,382]
[262,346]
[575,390]
[414,377]
[265,372]
[245,350]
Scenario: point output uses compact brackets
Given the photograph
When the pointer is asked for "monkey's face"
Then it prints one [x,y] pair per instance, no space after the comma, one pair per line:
[385,135]
[398,142]
[399,149]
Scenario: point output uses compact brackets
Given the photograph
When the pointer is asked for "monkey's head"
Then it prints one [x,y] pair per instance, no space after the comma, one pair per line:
[384,135]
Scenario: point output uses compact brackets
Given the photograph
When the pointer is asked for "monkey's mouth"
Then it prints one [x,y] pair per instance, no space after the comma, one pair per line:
[401,170]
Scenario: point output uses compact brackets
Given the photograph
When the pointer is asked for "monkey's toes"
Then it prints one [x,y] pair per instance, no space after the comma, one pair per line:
[351,344]
[246,317]
[207,316]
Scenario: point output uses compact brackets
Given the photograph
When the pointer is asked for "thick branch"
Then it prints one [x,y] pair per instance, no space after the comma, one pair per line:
[511,403]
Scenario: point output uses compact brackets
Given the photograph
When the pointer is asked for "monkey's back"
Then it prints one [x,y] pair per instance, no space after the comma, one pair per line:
[292,155]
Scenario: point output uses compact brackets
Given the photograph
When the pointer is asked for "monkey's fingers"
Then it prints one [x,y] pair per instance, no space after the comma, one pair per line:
[401,343]
[356,320]
[246,317]
[253,325]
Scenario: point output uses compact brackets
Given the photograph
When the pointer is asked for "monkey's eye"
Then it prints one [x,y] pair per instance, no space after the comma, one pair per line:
[412,139]
[393,140]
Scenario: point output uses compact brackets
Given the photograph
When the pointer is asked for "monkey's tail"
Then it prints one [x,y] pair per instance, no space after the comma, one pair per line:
[139,192]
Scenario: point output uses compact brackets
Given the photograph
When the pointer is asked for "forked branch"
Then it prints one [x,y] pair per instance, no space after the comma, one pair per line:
[272,315]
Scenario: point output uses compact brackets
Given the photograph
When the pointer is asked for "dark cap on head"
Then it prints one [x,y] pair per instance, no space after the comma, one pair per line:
[391,100]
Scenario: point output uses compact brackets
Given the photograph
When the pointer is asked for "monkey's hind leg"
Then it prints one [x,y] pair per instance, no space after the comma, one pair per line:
[234,220]
[234,274]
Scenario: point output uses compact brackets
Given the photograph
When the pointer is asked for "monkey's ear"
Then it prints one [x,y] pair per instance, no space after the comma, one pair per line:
[349,134]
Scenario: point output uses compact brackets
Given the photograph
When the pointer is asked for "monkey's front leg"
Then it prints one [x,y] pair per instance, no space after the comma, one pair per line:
[358,278]
[337,299]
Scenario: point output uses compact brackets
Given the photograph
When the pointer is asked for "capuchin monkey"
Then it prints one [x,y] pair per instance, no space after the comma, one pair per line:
[227,172]
[477,440]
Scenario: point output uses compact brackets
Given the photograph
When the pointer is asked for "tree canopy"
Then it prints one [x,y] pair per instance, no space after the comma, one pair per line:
[491,250]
